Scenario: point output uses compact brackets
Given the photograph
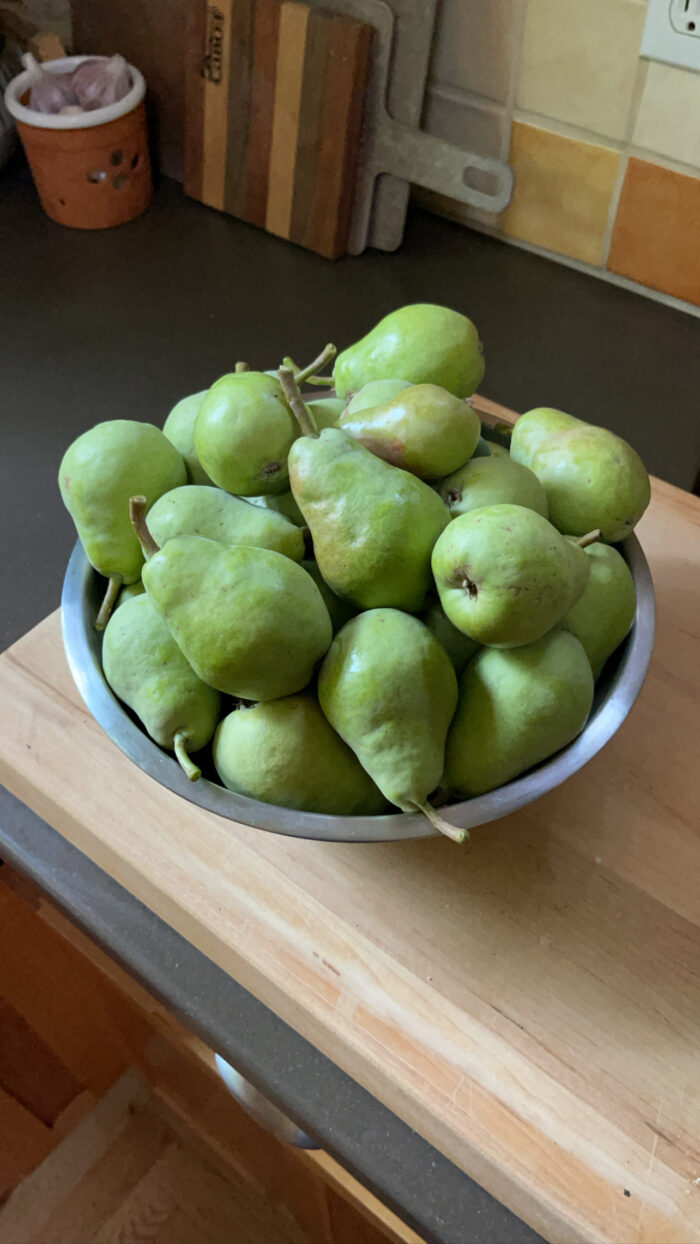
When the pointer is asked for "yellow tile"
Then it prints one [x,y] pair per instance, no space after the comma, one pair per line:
[562,193]
[580,60]
[669,114]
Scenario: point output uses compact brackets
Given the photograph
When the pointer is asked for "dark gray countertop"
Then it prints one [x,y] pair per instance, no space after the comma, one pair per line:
[122,324]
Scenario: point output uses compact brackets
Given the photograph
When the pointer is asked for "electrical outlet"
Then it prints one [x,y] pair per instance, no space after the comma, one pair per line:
[672,32]
[685,17]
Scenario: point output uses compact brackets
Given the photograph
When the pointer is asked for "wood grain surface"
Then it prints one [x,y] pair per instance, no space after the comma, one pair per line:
[130,1171]
[530,1005]
[275,97]
[43,1103]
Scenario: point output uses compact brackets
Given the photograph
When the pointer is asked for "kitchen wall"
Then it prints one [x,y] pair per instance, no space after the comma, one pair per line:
[605,146]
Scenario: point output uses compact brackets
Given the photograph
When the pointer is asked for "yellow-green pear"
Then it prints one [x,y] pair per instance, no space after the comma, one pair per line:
[201,510]
[146,669]
[283,503]
[605,611]
[592,477]
[489,449]
[458,646]
[129,590]
[516,707]
[99,472]
[179,429]
[339,611]
[373,525]
[423,343]
[243,432]
[505,575]
[250,622]
[388,688]
[424,429]
[325,411]
[375,393]
[285,752]
[492,481]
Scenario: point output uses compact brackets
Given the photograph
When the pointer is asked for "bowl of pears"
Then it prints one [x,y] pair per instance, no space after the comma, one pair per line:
[335,606]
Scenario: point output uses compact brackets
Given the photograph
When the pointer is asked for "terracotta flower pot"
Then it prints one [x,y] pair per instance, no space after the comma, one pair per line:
[92,170]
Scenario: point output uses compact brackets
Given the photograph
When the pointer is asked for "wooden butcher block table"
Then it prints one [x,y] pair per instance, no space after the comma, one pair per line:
[530,1005]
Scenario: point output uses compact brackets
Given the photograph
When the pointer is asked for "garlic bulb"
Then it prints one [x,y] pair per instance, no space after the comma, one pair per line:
[48,92]
[97,83]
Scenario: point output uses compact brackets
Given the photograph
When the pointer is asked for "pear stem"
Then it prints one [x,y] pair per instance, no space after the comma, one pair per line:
[137,514]
[438,822]
[242,367]
[115,582]
[591,537]
[303,416]
[190,768]
[327,354]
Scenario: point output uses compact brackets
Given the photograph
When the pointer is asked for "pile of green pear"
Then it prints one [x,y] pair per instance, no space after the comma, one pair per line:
[354,600]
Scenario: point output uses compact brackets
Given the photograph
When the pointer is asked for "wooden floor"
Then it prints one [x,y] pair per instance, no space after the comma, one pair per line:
[129,1172]
[115,1127]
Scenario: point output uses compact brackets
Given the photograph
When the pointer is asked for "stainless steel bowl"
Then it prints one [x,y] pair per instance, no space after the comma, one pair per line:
[616,692]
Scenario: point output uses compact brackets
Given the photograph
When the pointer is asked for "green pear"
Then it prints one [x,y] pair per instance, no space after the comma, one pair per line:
[129,590]
[492,481]
[424,429]
[198,510]
[179,429]
[603,615]
[285,752]
[506,576]
[325,411]
[243,433]
[389,689]
[458,646]
[516,708]
[489,449]
[375,393]
[283,503]
[145,668]
[373,525]
[424,343]
[339,611]
[99,472]
[250,622]
[592,477]
[483,448]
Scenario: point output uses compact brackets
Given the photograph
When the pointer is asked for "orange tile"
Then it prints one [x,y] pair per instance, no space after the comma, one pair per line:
[563,190]
[656,239]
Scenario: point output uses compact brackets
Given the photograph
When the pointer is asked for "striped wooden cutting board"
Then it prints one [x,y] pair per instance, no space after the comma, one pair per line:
[275,95]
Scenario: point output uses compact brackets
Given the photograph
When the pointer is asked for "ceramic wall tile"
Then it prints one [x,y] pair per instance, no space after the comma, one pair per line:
[580,61]
[477,127]
[668,121]
[474,46]
[656,239]
[480,128]
[563,191]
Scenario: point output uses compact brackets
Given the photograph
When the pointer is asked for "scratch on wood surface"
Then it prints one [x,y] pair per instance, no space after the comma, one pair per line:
[457,1087]
[650,1167]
